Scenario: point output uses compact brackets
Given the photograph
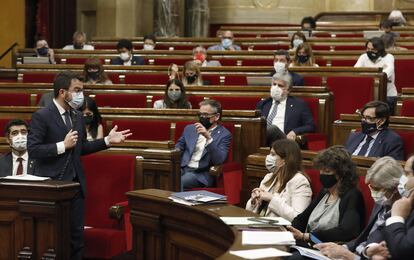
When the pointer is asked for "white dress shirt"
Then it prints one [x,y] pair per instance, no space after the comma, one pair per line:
[279,119]
[374,137]
[25,161]
[387,65]
[199,149]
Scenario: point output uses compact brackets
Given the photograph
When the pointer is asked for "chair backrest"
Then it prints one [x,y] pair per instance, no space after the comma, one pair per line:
[407,108]
[347,62]
[403,69]
[146,78]
[237,103]
[150,130]
[14,99]
[38,77]
[313,104]
[121,100]
[316,185]
[312,80]
[408,140]
[366,193]
[108,178]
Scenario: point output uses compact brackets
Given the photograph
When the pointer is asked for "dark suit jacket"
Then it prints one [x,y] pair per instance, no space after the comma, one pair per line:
[297,80]
[136,60]
[48,128]
[351,217]
[400,238]
[387,143]
[6,165]
[214,154]
[298,116]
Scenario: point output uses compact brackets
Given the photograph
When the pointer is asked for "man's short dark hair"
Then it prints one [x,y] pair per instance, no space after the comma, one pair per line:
[382,110]
[214,104]
[124,43]
[378,44]
[386,24]
[14,122]
[63,81]
[282,52]
[150,37]
[310,20]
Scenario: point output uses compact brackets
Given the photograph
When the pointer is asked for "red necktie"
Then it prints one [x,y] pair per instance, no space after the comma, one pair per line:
[20,166]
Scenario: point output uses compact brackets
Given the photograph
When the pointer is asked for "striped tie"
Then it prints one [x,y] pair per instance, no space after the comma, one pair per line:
[272,114]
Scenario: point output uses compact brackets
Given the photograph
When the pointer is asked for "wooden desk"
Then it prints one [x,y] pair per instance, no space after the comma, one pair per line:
[34,219]
[163,229]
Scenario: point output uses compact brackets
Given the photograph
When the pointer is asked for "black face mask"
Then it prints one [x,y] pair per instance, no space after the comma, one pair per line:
[205,121]
[78,46]
[93,75]
[191,79]
[88,119]
[303,58]
[373,56]
[368,128]
[328,180]
[43,51]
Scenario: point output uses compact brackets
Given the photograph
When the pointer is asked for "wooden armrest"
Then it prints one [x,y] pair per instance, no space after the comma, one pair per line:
[116,212]
[216,170]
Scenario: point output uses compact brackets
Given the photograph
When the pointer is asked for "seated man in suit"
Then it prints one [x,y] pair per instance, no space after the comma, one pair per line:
[227,39]
[126,55]
[79,42]
[202,145]
[17,161]
[200,57]
[375,139]
[281,64]
[291,114]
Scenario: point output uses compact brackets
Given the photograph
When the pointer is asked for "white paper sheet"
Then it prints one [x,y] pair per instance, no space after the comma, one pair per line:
[311,253]
[244,221]
[267,238]
[26,177]
[260,253]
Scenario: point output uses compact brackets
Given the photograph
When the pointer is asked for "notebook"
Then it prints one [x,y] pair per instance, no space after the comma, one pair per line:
[36,60]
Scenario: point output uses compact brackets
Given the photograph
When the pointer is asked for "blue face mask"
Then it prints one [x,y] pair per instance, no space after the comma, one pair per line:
[226,43]
[77,100]
[401,187]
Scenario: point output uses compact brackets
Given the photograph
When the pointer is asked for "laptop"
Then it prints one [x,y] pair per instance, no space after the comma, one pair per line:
[36,60]
[259,81]
[371,34]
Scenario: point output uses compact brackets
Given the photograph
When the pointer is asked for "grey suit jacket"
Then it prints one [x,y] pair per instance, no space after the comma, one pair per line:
[6,165]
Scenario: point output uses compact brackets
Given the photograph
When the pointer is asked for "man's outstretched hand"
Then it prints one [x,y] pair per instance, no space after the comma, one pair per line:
[116,137]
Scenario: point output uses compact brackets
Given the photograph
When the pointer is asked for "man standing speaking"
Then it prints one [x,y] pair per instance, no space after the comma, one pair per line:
[57,140]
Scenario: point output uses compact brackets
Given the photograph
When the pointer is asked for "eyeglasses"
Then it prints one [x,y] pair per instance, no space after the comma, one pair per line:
[206,115]
[368,118]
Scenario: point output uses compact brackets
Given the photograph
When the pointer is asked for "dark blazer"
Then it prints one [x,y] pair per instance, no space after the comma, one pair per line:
[6,165]
[298,116]
[400,238]
[351,217]
[214,154]
[48,128]
[136,60]
[387,143]
[297,80]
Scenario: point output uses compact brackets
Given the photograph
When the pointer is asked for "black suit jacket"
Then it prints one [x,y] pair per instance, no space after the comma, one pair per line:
[298,116]
[6,165]
[297,80]
[48,128]
[136,60]
[387,143]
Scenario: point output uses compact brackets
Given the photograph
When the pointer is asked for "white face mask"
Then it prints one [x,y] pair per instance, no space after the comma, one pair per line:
[276,93]
[297,42]
[401,185]
[270,163]
[226,43]
[124,56]
[77,100]
[19,142]
[148,47]
[378,196]
[280,67]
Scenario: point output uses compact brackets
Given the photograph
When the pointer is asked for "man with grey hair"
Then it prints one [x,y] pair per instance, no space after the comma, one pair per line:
[382,179]
[281,64]
[290,114]
[227,40]
[79,42]
[200,57]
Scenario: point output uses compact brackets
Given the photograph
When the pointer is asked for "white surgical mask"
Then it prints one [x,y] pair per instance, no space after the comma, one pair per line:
[401,185]
[276,93]
[124,56]
[270,163]
[378,196]
[77,100]
[226,43]
[297,42]
[19,142]
[280,67]
[148,47]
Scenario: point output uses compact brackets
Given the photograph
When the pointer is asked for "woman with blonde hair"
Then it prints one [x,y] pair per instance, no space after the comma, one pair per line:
[192,74]
[94,73]
[304,56]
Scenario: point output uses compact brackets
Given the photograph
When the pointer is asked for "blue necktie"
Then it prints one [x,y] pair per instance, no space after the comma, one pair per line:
[272,114]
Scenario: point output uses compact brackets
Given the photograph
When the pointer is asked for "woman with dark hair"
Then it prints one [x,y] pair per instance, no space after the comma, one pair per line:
[93,119]
[174,96]
[377,57]
[285,191]
[93,73]
[297,39]
[303,56]
[337,212]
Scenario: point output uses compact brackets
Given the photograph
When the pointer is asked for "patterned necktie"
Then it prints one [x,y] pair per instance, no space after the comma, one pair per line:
[364,148]
[67,120]
[20,166]
[272,114]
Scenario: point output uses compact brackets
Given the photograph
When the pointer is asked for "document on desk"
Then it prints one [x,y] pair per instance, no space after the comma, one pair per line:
[267,238]
[311,253]
[241,221]
[260,253]
[25,177]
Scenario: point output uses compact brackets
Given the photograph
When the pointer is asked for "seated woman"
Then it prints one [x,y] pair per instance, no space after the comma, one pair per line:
[285,191]
[92,119]
[297,39]
[337,212]
[174,96]
[304,56]
[94,73]
[192,74]
[42,50]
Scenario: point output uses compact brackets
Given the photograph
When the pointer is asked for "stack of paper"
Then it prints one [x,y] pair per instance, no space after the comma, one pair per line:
[197,197]
[311,253]
[25,177]
[267,238]
[239,221]
[260,253]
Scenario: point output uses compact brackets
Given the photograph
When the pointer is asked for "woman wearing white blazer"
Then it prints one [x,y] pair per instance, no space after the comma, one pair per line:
[285,191]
